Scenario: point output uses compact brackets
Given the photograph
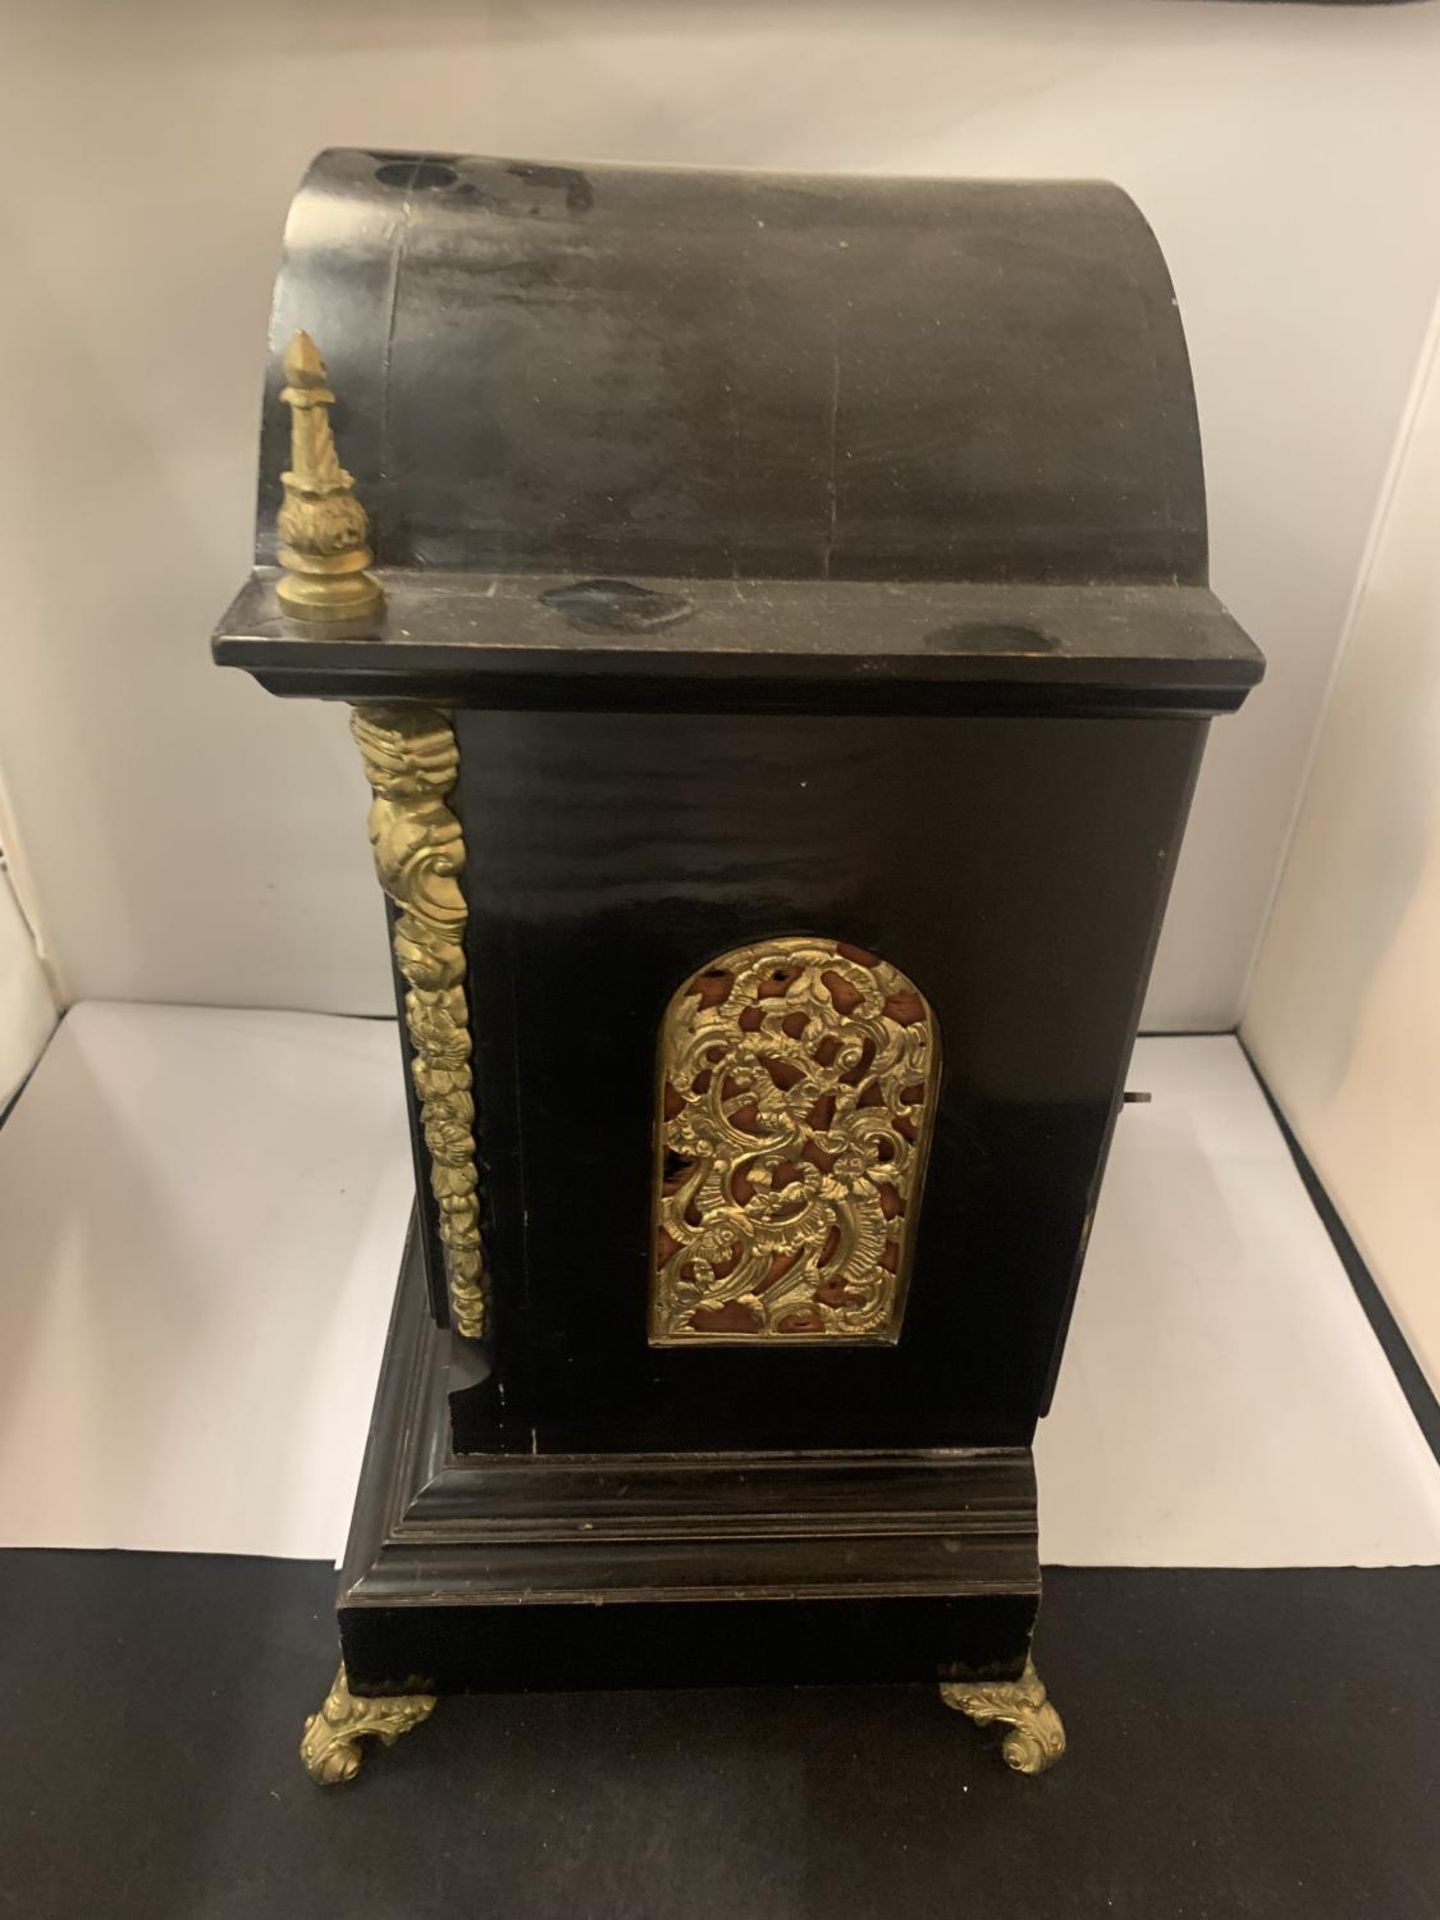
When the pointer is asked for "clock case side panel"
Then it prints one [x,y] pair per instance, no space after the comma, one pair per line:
[1015,869]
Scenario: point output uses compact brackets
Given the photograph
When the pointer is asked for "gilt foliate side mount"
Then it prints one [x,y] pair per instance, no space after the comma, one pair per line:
[411,761]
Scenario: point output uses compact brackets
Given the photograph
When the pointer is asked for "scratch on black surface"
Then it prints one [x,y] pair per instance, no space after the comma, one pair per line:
[616,606]
[392,297]
[831,479]
[579,194]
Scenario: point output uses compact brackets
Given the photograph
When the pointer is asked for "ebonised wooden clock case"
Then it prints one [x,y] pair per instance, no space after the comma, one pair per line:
[764,560]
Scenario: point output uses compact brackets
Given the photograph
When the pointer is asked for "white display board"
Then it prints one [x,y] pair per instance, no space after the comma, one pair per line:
[201,1218]
[191,840]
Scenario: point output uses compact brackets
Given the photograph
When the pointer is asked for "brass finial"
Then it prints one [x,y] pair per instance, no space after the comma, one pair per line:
[322,524]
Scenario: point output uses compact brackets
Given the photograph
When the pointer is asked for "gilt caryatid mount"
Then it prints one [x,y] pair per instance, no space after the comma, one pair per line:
[411,761]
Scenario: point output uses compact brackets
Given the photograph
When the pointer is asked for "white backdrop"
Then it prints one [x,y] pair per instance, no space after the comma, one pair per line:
[1172,1442]
[27,1012]
[1345,1018]
[190,839]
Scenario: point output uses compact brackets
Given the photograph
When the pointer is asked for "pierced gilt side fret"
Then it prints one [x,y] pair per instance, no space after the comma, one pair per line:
[797,1085]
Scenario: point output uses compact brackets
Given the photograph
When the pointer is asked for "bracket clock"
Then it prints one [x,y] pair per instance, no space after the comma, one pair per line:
[774,614]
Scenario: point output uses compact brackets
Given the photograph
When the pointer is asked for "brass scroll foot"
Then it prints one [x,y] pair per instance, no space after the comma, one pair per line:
[330,1745]
[1036,1738]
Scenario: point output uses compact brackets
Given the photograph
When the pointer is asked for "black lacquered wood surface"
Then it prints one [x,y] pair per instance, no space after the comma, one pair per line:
[645,371]
[555,642]
[1014,869]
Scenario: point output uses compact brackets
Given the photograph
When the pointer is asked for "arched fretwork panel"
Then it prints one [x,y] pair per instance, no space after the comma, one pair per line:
[796,1089]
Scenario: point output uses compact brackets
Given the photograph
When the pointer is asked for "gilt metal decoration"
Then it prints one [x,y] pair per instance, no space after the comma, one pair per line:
[797,1084]
[411,761]
[330,1745]
[322,525]
[1036,1736]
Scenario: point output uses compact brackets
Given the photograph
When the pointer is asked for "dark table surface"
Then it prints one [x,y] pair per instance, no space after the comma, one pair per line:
[1242,1744]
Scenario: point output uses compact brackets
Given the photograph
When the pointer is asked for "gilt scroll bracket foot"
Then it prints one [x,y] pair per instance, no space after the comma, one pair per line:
[330,1746]
[1035,1739]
